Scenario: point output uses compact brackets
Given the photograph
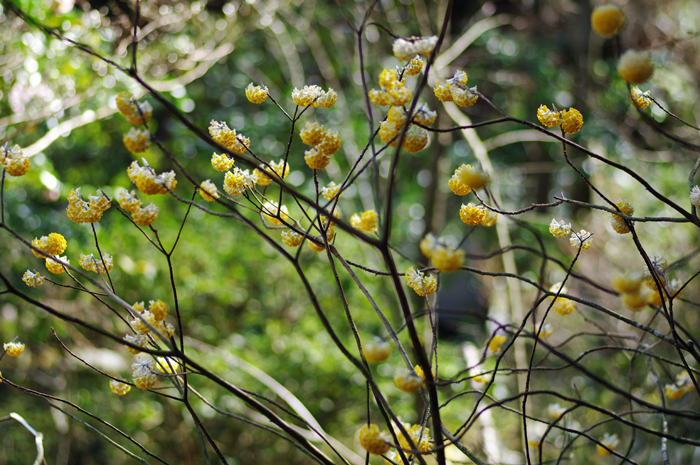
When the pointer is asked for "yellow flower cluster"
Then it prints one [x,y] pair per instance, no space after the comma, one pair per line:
[617,222]
[139,340]
[119,388]
[420,436]
[405,49]
[256,94]
[416,138]
[33,279]
[208,191]
[635,67]
[376,351]
[672,287]
[392,91]
[444,257]
[544,331]
[413,67]
[562,305]
[80,211]
[681,387]
[571,120]
[53,244]
[368,222]
[13,159]
[331,190]
[280,169]
[560,229]
[325,142]
[495,343]
[137,140]
[90,263]
[472,214]
[373,440]
[472,178]
[314,96]
[143,372]
[408,381]
[221,162]
[148,182]
[155,316]
[236,182]
[13,349]
[555,411]
[167,365]
[128,107]
[582,239]
[606,20]
[455,90]
[292,238]
[421,283]
[640,99]
[220,132]
[141,216]
[275,214]
[609,441]
[54,267]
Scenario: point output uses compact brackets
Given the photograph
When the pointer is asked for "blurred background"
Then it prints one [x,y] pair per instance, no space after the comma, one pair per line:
[240,302]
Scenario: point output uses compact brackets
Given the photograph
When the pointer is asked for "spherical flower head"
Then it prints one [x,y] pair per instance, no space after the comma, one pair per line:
[292,239]
[7,152]
[495,343]
[378,97]
[99,202]
[148,182]
[534,440]
[447,259]
[545,330]
[315,159]
[583,239]
[427,245]
[404,49]
[166,365]
[330,143]
[635,67]
[139,324]
[17,166]
[422,284]
[312,134]
[376,351]
[256,94]
[331,190]
[606,20]
[325,99]
[164,331]
[368,222]
[128,201]
[548,117]
[143,370]
[316,247]
[628,282]
[617,222]
[396,116]
[415,140]
[53,244]
[555,411]
[137,140]
[695,196]
[374,441]
[472,214]
[260,177]
[408,381]
[388,79]
[414,66]
[399,96]
[119,388]
[442,91]
[457,187]
[560,229]
[572,120]
[609,441]
[388,132]
[90,263]
[227,137]
[221,162]
[472,177]
[425,116]
[33,279]
[236,182]
[281,169]
[659,263]
[464,97]
[13,349]
[305,96]
[128,107]
[208,191]
[490,218]
[640,99]
[563,306]
[275,214]
[158,309]
[420,436]
[145,216]
[140,340]
[54,267]
[638,300]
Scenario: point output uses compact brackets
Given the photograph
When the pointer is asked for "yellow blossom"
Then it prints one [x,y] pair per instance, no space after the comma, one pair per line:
[13,349]
[137,140]
[422,284]
[495,343]
[472,177]
[640,99]
[548,117]
[609,441]
[119,388]
[208,191]
[256,94]
[145,216]
[572,120]
[472,214]
[376,351]
[33,279]
[373,440]
[606,20]
[368,222]
[221,162]
[635,67]
[148,182]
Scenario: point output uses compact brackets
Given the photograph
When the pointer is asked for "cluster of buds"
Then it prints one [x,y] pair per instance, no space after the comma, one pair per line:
[376,351]
[561,305]
[391,92]
[495,343]
[366,222]
[13,160]
[455,90]
[80,211]
[143,216]
[373,440]
[134,112]
[444,257]
[324,143]
[640,99]
[314,96]
[406,49]
[33,279]
[148,182]
[53,244]
[221,133]
[681,387]
[420,437]
[571,120]
[609,443]
[145,319]
[416,137]
[90,263]
[421,283]
[617,222]
[668,286]
[13,349]
[635,296]
[279,170]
